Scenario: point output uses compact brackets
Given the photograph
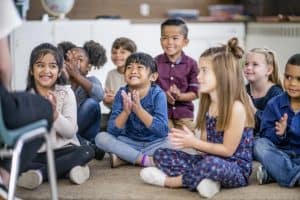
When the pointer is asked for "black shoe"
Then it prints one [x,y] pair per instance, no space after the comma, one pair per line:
[99,154]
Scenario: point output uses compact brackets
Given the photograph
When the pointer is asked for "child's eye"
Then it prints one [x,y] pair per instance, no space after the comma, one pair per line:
[288,77]
[53,66]
[40,65]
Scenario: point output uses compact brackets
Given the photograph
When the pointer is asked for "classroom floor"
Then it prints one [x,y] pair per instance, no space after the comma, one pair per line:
[124,183]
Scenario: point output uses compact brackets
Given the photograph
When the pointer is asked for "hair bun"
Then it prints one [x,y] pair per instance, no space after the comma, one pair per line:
[234,48]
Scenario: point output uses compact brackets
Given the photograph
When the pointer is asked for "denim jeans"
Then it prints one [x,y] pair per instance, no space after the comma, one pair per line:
[88,119]
[128,149]
[281,164]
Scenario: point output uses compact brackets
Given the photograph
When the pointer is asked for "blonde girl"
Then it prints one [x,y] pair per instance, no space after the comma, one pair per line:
[262,72]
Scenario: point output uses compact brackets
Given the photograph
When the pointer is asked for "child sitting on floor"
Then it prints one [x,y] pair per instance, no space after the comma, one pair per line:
[226,122]
[138,124]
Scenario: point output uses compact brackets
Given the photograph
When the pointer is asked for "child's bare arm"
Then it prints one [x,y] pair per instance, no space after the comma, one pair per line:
[232,135]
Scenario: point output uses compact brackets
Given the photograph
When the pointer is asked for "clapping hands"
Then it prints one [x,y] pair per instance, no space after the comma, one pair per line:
[182,138]
[173,94]
[131,101]
[52,98]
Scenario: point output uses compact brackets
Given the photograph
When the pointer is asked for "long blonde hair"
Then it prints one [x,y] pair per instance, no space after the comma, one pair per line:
[230,85]
[271,59]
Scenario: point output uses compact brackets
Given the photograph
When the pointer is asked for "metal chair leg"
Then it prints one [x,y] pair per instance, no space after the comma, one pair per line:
[40,132]
[51,168]
[14,169]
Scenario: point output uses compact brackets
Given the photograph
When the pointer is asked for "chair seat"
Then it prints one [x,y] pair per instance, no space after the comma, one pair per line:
[9,137]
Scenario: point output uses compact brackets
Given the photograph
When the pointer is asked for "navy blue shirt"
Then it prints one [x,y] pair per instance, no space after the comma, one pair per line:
[260,104]
[155,103]
[274,110]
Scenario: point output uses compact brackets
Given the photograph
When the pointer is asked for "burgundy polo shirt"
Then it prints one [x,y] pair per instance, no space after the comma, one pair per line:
[183,74]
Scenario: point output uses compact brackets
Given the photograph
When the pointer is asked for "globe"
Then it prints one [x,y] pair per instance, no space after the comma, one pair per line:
[58,8]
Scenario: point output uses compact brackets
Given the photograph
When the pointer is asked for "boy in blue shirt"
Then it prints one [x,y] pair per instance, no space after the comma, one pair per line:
[279,148]
[138,124]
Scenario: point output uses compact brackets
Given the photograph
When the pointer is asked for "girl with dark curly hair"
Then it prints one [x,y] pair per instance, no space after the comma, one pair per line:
[88,89]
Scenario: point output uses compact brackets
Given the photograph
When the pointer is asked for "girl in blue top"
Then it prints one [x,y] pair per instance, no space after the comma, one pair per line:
[138,124]
[226,122]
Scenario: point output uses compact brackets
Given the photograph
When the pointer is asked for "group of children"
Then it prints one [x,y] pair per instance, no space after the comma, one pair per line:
[151,120]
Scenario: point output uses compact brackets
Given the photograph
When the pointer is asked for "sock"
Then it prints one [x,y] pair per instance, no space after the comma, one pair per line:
[146,161]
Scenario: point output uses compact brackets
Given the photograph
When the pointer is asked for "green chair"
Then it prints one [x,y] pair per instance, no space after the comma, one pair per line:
[11,144]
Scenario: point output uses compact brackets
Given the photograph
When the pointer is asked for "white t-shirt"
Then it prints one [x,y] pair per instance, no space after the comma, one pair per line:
[9,17]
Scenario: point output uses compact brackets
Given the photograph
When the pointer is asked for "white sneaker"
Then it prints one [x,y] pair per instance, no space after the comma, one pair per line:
[153,176]
[79,174]
[30,179]
[208,188]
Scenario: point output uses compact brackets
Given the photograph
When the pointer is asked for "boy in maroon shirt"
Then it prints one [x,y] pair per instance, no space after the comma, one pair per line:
[177,73]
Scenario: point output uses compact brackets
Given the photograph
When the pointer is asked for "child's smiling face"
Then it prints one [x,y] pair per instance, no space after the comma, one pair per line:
[292,80]
[45,71]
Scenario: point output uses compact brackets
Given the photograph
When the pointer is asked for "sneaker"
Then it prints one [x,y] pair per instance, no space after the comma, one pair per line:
[153,176]
[262,175]
[30,179]
[115,161]
[79,174]
[99,154]
[207,188]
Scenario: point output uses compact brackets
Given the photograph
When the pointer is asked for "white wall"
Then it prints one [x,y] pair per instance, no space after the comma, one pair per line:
[146,36]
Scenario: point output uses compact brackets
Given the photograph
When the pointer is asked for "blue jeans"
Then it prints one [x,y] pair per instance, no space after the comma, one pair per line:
[88,119]
[281,164]
[128,149]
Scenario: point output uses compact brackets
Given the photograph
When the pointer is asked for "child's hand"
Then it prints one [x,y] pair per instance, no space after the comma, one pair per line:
[109,96]
[72,65]
[170,98]
[175,91]
[52,98]
[136,102]
[127,102]
[182,138]
[281,125]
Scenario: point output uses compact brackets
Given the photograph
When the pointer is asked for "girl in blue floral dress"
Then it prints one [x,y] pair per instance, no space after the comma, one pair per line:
[226,123]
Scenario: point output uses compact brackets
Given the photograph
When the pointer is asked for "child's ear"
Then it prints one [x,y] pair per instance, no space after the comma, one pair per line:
[153,76]
[186,41]
[270,70]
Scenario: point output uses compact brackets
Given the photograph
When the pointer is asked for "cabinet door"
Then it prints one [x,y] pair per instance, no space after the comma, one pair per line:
[105,31]
[23,40]
[76,32]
